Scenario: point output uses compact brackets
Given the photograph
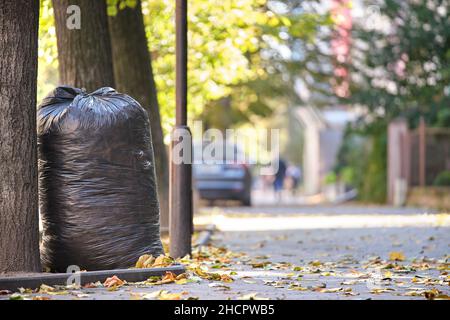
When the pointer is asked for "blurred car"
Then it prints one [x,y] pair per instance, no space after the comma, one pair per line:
[224,180]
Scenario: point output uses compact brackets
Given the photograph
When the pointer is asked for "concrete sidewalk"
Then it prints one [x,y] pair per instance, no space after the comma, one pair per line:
[383,253]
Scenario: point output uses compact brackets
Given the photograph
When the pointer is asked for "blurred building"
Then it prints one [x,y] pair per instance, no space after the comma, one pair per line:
[324,127]
[323,131]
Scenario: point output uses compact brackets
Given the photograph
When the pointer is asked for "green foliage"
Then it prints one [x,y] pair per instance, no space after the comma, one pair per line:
[113,6]
[442,179]
[362,162]
[403,68]
[352,157]
[220,36]
[374,183]
[234,55]
[330,178]
[443,118]
[348,175]
[47,51]
[400,66]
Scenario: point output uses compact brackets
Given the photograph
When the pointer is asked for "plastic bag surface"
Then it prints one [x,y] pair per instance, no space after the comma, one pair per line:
[97,186]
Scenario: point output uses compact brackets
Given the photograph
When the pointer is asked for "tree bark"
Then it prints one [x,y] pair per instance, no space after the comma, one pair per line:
[134,76]
[84,54]
[19,231]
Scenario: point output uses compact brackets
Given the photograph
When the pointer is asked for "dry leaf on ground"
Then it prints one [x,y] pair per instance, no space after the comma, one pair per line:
[113,281]
[396,256]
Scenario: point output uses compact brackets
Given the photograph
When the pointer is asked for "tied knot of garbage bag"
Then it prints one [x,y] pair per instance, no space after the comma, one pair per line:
[98,195]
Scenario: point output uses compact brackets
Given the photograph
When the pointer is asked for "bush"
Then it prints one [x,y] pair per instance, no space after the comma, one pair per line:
[362,162]
[348,175]
[442,179]
[375,173]
[330,178]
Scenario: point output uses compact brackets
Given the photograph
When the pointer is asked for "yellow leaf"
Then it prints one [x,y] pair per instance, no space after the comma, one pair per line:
[315,263]
[45,288]
[142,260]
[25,290]
[396,256]
[181,276]
[331,290]
[165,295]
[290,275]
[181,281]
[163,261]
[435,294]
[298,288]
[169,276]
[58,293]
[380,290]
[226,278]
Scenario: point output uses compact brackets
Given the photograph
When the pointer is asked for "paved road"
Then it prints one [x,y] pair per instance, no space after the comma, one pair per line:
[340,252]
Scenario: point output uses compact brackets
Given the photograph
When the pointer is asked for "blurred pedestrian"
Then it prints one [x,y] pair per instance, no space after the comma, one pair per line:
[293,175]
[278,181]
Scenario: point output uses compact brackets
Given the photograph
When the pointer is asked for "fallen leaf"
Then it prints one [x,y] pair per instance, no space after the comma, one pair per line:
[380,290]
[162,295]
[145,261]
[249,281]
[331,290]
[315,263]
[435,294]
[169,277]
[113,281]
[260,264]
[219,285]
[41,298]
[16,296]
[25,290]
[297,288]
[51,290]
[91,285]
[182,281]
[163,261]
[46,289]
[226,278]
[396,256]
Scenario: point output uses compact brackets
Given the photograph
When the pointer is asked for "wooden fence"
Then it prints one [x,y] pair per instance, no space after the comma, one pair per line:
[415,157]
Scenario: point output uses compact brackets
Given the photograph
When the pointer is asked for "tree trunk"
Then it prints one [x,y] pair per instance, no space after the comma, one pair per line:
[19,231]
[134,76]
[84,54]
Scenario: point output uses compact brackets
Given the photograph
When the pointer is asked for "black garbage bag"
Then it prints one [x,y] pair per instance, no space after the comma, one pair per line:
[97,188]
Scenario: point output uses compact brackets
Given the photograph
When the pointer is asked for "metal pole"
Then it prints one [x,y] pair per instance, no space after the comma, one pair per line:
[180,219]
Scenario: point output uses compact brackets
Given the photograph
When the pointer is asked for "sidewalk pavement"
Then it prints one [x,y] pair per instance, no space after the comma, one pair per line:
[339,252]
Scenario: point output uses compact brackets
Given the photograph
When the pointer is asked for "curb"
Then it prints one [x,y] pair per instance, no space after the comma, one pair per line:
[204,235]
[51,279]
